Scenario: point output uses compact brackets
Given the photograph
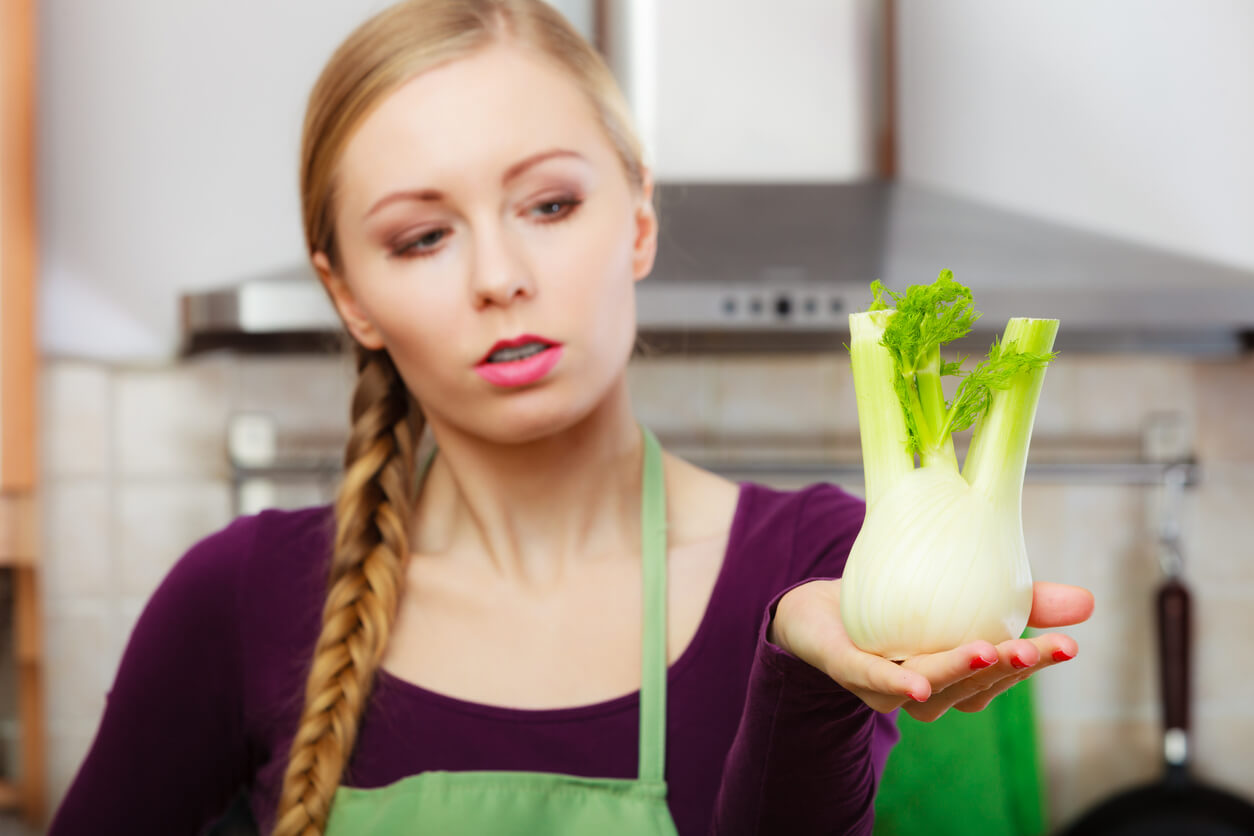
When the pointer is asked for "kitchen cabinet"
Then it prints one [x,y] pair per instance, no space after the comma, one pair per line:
[23,789]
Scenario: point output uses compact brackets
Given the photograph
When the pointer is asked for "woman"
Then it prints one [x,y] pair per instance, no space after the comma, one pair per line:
[550,625]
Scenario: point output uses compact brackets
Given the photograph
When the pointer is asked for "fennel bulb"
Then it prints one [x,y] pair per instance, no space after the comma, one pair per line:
[940,559]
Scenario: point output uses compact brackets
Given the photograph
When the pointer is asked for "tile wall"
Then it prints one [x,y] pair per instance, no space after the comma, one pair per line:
[135,471]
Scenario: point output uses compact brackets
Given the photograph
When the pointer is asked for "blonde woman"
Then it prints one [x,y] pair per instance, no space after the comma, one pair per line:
[550,625]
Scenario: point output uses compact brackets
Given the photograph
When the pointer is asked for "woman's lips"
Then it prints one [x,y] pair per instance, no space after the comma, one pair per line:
[521,372]
[517,342]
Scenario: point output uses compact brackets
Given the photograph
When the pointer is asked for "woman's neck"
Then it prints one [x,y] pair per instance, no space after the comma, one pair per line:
[531,511]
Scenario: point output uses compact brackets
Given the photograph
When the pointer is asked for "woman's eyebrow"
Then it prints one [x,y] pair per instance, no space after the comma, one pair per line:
[511,173]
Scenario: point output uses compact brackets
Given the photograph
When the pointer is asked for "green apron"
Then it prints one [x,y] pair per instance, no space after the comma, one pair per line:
[531,803]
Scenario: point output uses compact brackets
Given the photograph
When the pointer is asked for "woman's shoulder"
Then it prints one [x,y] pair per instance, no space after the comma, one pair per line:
[262,580]
[816,510]
[285,548]
[774,534]
[807,531]
[802,519]
[274,534]
[280,535]
[708,500]
[816,502]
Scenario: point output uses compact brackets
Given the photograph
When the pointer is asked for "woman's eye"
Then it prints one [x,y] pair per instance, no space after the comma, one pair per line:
[555,208]
[418,246]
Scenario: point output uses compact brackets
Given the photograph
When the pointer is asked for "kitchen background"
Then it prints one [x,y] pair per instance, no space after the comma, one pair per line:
[167,153]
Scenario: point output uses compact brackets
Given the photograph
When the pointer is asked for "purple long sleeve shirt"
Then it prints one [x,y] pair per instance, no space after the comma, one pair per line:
[211,685]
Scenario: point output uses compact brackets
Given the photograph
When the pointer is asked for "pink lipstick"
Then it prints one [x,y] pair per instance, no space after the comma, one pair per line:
[519,361]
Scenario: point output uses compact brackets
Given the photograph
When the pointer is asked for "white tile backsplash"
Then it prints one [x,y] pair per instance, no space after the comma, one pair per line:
[1219,665]
[171,421]
[1112,396]
[302,394]
[1221,750]
[77,539]
[81,658]
[1103,548]
[1224,393]
[1055,411]
[674,395]
[783,395]
[76,415]
[1046,541]
[1217,530]
[130,608]
[66,750]
[158,521]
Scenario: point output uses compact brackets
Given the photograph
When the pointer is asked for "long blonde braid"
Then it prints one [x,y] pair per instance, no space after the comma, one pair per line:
[371,545]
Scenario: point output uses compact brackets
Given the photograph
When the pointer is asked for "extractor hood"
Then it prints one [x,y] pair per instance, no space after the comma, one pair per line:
[779,266]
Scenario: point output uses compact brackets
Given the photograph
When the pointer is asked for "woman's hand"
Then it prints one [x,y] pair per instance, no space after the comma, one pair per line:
[807,624]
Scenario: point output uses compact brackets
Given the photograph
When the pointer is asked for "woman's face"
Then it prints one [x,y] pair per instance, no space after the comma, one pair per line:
[479,202]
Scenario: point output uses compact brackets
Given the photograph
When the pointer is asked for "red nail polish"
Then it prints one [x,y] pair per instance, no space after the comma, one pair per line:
[979,663]
[1019,663]
[1062,656]
[911,695]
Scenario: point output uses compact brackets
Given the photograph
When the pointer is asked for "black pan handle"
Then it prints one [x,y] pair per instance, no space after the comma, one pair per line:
[1174,628]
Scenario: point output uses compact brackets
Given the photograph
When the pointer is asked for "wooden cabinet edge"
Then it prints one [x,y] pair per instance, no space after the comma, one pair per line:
[19,511]
[19,248]
[19,528]
[10,795]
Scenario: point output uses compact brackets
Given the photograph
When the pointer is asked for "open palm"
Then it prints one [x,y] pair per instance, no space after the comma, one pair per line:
[807,624]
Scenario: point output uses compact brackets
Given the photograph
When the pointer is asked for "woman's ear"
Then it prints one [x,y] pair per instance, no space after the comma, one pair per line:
[644,248]
[354,318]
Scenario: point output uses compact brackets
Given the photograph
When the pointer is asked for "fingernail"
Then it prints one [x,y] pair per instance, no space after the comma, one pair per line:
[912,696]
[1062,655]
[1019,663]
[979,663]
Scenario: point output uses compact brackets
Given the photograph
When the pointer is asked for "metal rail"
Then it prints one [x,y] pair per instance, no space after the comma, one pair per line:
[1087,472]
[1100,473]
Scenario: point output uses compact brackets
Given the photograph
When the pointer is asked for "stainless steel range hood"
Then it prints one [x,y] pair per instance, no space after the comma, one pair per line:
[778,267]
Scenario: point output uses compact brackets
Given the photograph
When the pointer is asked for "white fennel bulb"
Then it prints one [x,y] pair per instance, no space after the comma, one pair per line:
[940,559]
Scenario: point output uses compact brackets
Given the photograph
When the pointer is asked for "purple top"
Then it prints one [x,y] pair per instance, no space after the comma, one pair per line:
[211,685]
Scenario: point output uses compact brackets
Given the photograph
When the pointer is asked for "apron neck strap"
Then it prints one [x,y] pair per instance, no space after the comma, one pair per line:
[653,640]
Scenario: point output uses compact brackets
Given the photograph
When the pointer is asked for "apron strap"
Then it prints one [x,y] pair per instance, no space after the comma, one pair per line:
[652,761]
[653,641]
[421,476]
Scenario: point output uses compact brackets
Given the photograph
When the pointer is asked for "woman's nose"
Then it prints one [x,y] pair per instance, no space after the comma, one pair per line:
[502,291]
[500,274]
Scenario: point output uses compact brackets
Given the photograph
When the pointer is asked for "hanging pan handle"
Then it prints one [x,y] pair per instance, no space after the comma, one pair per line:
[1174,623]
[1174,627]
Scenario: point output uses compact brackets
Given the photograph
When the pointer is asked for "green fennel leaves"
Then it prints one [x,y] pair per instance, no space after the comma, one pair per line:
[925,318]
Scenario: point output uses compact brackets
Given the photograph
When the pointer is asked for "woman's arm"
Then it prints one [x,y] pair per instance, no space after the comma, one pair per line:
[170,752]
[808,754]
